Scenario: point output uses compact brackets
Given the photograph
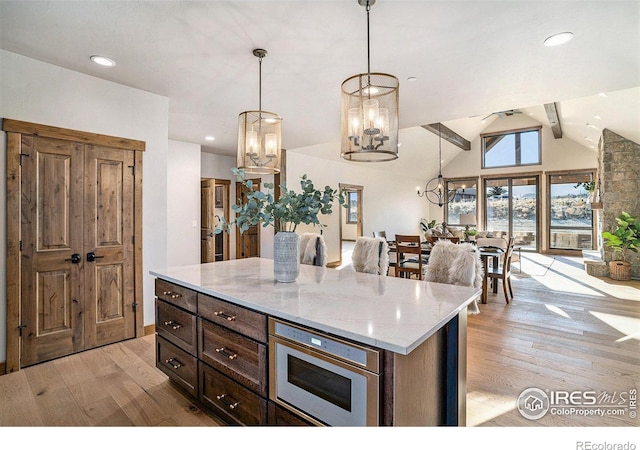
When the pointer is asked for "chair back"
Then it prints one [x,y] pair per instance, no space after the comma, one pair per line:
[380,234]
[458,264]
[371,255]
[408,244]
[313,249]
[508,255]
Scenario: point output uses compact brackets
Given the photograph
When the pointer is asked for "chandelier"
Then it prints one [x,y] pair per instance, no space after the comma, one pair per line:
[259,135]
[369,112]
[435,190]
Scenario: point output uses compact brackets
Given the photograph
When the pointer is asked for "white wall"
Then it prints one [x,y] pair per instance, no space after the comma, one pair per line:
[389,202]
[34,91]
[183,204]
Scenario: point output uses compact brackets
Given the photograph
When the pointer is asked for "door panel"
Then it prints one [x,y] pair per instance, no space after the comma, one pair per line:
[52,305]
[108,237]
[247,243]
[207,220]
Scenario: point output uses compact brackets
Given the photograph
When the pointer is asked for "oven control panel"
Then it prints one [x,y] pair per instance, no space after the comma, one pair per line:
[331,346]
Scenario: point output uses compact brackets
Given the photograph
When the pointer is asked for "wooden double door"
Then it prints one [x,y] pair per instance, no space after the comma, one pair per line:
[77,263]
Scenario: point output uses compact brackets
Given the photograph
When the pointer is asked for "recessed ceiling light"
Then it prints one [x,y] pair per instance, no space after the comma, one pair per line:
[595,116]
[103,61]
[210,138]
[590,125]
[412,79]
[603,94]
[558,39]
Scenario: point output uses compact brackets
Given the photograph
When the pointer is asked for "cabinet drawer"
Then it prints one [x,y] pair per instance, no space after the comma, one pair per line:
[177,295]
[178,365]
[279,416]
[177,326]
[237,356]
[243,320]
[229,399]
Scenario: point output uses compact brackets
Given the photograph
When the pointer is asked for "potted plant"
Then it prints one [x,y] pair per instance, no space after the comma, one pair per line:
[471,234]
[284,214]
[625,238]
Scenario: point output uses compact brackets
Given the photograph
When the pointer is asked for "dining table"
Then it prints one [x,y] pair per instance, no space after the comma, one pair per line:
[485,253]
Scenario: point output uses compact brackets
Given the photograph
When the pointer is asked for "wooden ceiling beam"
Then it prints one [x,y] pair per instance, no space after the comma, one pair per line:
[554,119]
[449,135]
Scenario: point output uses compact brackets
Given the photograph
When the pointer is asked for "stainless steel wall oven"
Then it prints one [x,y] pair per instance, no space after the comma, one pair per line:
[327,380]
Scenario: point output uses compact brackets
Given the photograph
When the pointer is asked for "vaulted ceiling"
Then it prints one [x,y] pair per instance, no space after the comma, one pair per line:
[469,59]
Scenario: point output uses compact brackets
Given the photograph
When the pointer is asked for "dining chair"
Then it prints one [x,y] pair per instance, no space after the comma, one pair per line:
[408,267]
[458,264]
[392,253]
[380,234]
[371,255]
[313,249]
[503,272]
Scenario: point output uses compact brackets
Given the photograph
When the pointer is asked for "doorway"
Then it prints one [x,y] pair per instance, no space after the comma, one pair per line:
[512,208]
[214,206]
[74,206]
[350,220]
[247,243]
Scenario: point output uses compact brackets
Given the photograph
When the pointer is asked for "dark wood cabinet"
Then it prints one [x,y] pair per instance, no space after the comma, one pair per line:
[215,352]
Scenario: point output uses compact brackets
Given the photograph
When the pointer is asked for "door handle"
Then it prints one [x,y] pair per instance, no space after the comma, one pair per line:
[75,258]
[91,256]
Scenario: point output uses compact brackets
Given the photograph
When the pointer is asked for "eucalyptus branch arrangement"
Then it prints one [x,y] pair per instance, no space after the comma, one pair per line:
[284,213]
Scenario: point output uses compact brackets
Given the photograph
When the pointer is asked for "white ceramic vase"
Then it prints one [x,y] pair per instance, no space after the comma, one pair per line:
[286,256]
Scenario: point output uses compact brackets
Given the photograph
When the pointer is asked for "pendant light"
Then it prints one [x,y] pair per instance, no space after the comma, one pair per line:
[436,190]
[259,135]
[370,112]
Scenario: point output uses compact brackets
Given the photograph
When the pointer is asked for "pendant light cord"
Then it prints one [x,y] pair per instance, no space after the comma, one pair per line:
[368,8]
[260,96]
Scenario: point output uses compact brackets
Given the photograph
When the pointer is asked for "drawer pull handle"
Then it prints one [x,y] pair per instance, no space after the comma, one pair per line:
[227,401]
[226,353]
[224,316]
[172,324]
[174,362]
[171,294]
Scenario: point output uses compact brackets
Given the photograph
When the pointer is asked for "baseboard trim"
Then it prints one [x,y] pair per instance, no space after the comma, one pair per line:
[149,329]
[3,368]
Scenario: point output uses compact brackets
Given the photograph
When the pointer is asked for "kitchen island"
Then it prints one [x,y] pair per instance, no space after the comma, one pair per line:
[417,330]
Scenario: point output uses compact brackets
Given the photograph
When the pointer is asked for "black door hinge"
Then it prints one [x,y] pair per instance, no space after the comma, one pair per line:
[134,306]
[20,245]
[22,155]
[20,327]
[133,170]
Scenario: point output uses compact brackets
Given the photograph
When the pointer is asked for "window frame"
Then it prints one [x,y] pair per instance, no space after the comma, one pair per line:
[475,181]
[483,136]
[594,223]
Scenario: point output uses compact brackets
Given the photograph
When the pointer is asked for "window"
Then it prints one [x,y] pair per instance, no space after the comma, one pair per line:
[352,201]
[463,202]
[570,215]
[511,148]
[511,209]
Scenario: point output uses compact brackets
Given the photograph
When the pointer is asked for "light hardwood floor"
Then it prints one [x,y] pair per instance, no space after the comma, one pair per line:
[564,330]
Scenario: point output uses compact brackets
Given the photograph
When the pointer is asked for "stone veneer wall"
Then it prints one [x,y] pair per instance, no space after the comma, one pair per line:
[619,173]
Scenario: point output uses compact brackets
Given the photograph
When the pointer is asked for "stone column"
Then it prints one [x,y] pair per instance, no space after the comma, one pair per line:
[619,173]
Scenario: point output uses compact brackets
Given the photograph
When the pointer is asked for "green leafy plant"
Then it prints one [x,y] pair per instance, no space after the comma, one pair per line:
[588,186]
[427,225]
[284,213]
[471,232]
[625,237]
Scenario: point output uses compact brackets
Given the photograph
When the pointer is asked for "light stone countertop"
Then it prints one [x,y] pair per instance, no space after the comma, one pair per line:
[386,312]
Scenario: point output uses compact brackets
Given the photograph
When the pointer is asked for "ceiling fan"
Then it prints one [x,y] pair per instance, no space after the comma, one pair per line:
[503,114]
